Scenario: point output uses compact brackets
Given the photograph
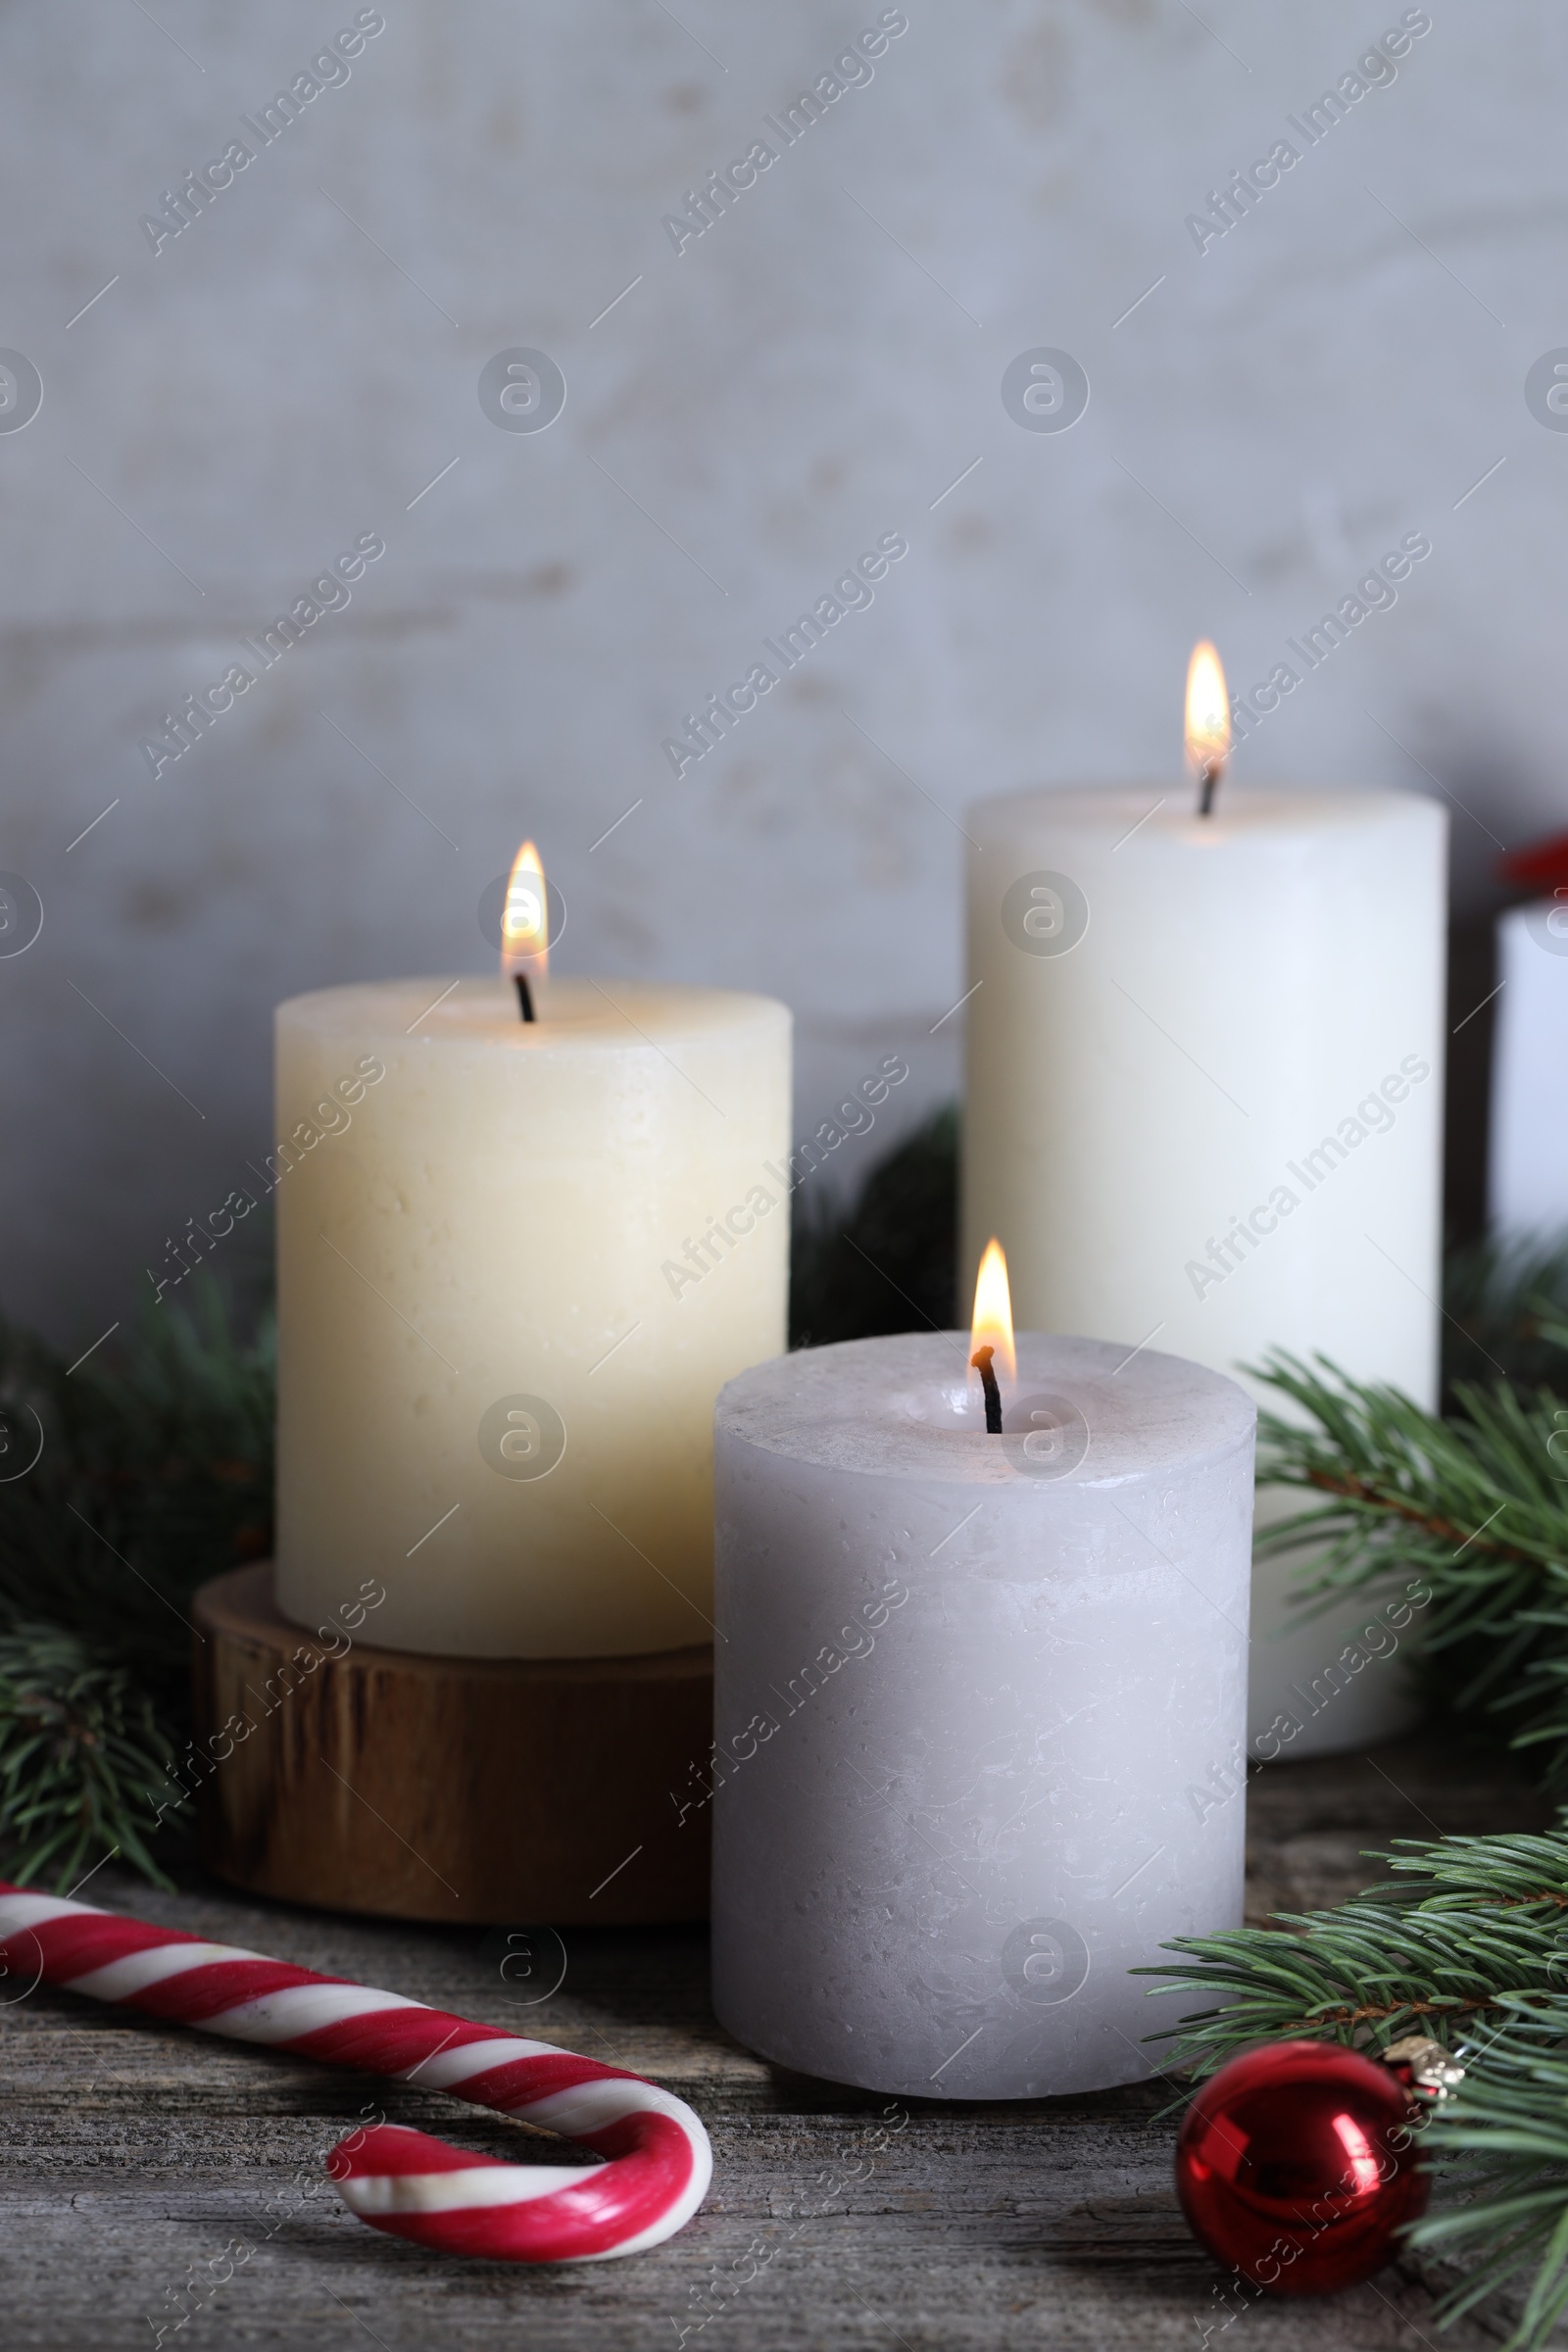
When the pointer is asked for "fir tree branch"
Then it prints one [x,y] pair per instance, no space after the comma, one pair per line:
[1503,2140]
[155,1474]
[1506,1311]
[81,1753]
[1363,1975]
[1476,1506]
[1467,1942]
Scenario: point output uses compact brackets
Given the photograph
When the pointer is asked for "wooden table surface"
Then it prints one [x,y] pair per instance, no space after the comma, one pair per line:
[136,2156]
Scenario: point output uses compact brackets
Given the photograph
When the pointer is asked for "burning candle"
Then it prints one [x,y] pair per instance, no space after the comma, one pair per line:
[525,927]
[1204,1102]
[517,1259]
[979,1701]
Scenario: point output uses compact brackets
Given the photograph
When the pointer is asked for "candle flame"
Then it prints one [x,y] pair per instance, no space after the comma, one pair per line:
[525,918]
[1208,713]
[992,1324]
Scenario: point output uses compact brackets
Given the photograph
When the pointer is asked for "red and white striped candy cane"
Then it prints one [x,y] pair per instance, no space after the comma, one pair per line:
[660,2159]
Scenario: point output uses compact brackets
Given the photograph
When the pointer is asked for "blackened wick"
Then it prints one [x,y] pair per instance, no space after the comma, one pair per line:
[980,1363]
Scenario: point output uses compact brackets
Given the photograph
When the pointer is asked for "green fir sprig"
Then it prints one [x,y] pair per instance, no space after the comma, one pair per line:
[81,1759]
[1467,1921]
[1467,1944]
[886,1260]
[155,1473]
[1474,1505]
[1506,1305]
[1502,2146]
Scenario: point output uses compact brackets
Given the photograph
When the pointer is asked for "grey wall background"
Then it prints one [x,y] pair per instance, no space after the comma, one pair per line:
[817,369]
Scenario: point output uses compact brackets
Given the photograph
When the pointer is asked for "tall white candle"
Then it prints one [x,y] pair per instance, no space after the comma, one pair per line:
[516,1262]
[979,1707]
[1204,1110]
[1528,1171]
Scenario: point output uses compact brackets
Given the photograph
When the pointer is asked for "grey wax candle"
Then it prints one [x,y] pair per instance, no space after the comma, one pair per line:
[980,1706]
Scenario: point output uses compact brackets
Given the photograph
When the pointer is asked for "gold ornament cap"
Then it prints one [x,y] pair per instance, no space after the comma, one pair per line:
[1425,2065]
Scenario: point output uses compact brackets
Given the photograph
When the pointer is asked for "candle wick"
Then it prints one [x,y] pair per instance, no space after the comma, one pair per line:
[525,996]
[1212,772]
[980,1363]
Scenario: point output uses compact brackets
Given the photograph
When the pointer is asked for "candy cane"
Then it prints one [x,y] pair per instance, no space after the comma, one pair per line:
[394,2179]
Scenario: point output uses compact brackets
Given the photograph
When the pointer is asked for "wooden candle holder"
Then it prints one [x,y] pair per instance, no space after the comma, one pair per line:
[493,1790]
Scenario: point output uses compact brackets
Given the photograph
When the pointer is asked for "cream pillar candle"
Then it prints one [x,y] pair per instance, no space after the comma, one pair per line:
[516,1262]
[1205,1110]
[979,1707]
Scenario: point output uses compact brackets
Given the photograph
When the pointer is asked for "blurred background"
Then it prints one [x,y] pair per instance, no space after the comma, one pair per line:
[754,397]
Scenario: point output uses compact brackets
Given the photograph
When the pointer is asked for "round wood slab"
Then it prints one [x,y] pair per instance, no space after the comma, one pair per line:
[497,1790]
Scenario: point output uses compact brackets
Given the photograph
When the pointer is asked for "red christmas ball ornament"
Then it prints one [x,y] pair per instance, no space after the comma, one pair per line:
[1296,2163]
